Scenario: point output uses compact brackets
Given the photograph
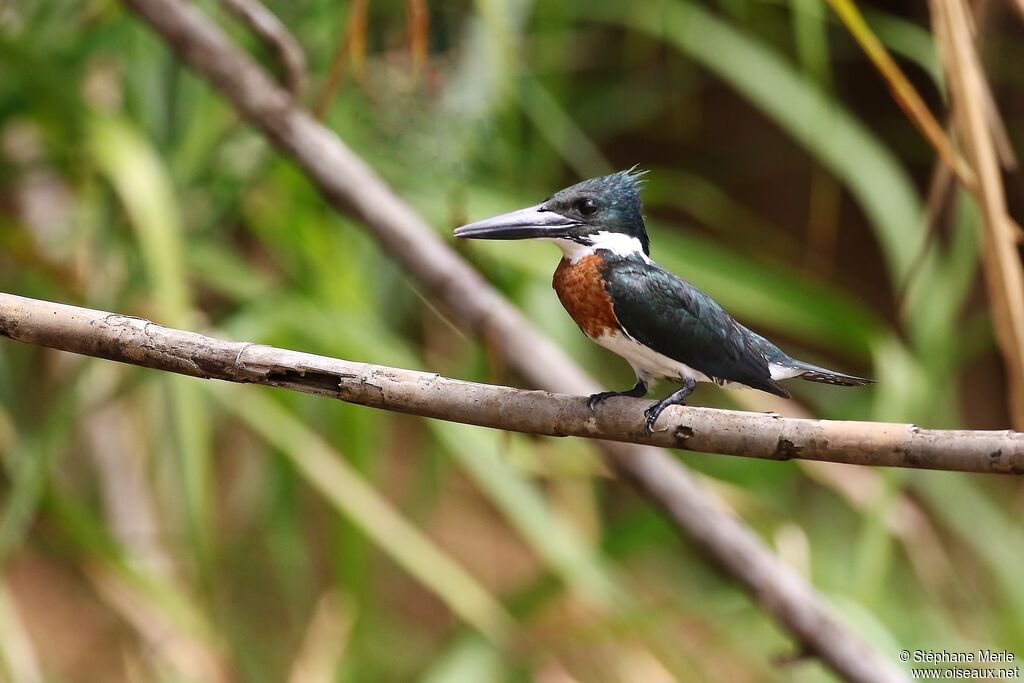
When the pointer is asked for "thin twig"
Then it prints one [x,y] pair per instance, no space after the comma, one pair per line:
[349,49]
[728,432]
[349,184]
[1000,136]
[939,186]
[271,31]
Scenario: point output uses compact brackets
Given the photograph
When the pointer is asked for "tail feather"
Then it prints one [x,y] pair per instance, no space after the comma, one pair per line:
[815,373]
[797,368]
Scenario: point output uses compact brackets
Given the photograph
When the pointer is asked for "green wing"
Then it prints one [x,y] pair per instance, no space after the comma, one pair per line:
[668,314]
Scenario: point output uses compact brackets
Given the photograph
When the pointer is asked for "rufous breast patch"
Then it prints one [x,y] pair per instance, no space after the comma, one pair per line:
[580,288]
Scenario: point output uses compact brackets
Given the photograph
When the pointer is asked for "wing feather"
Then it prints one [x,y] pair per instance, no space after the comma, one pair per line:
[668,314]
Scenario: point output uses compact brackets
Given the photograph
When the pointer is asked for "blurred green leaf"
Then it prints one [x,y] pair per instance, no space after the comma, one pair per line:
[127,183]
[351,495]
[836,138]
[556,542]
[469,660]
[144,189]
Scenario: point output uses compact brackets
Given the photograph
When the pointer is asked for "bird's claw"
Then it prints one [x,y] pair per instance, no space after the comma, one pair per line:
[652,414]
[597,399]
[650,417]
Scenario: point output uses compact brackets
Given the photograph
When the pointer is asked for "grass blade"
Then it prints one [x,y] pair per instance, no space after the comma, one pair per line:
[352,496]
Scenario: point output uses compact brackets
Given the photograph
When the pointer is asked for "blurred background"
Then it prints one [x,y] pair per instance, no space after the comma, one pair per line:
[161,528]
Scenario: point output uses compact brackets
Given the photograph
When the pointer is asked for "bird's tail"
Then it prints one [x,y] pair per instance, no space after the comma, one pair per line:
[815,373]
[791,367]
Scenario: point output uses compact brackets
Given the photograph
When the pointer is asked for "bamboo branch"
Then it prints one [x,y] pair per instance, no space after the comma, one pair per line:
[140,342]
[349,184]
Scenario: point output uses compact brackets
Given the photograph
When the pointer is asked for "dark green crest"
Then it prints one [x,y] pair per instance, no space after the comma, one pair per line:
[609,203]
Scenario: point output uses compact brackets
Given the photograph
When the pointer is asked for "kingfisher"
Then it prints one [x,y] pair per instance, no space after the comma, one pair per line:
[663,326]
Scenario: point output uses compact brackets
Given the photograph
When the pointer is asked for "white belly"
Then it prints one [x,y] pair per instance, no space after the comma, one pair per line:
[649,364]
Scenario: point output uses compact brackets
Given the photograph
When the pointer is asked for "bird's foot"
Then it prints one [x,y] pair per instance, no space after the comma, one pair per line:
[675,399]
[597,399]
[637,391]
[652,414]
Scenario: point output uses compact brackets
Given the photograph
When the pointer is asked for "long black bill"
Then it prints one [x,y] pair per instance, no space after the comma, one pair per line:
[523,224]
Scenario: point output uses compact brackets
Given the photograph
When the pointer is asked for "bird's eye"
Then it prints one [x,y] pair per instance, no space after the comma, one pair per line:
[586,206]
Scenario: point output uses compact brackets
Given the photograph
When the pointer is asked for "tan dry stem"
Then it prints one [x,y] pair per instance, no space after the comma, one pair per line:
[1004,277]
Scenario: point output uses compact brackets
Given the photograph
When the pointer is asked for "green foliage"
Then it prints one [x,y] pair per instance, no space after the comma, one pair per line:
[230,531]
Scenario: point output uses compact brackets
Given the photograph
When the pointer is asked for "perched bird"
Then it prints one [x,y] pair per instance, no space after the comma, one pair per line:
[661,324]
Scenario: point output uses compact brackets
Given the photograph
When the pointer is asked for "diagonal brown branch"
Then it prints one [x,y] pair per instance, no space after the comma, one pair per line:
[729,432]
[350,185]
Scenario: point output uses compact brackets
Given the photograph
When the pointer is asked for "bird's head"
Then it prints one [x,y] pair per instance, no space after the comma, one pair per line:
[600,213]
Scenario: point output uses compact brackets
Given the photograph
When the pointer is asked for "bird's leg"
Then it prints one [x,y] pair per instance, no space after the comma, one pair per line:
[674,399]
[639,390]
